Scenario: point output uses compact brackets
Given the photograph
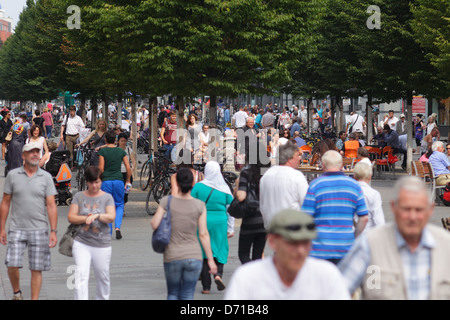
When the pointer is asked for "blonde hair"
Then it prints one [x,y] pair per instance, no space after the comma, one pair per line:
[97,125]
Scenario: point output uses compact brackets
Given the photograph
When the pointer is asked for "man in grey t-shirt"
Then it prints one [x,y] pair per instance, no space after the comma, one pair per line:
[30,192]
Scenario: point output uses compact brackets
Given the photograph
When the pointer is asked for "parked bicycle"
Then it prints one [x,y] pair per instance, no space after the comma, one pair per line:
[85,154]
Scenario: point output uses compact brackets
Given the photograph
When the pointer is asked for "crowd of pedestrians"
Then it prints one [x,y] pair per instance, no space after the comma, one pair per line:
[325,233]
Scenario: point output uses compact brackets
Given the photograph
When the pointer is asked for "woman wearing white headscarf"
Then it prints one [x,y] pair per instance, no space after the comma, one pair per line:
[217,196]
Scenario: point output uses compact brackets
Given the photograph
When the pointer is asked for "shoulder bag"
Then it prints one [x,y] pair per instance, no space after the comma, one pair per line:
[350,129]
[65,127]
[8,137]
[66,242]
[161,236]
[250,205]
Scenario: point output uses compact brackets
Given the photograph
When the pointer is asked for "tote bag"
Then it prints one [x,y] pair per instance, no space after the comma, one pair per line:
[161,236]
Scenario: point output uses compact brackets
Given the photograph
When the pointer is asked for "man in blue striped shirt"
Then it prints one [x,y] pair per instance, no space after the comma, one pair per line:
[333,200]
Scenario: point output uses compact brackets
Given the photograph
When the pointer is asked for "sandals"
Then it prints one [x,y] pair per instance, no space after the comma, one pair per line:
[219,283]
[445,223]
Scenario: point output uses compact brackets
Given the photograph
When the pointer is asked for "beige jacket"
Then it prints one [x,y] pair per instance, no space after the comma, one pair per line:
[386,257]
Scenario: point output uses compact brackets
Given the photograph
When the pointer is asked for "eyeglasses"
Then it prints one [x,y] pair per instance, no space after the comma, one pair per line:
[298,227]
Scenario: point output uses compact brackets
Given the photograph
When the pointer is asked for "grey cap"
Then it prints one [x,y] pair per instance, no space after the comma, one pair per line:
[293,225]
[31,146]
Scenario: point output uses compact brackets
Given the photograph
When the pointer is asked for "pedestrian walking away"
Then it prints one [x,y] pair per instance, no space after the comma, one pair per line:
[333,200]
[282,186]
[291,274]
[183,255]
[363,174]
[29,200]
[93,210]
[216,194]
[252,235]
[110,161]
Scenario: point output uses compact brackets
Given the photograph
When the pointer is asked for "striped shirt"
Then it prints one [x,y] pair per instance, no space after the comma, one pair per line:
[333,199]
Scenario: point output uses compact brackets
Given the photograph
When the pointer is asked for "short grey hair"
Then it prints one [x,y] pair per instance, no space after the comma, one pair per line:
[436,145]
[286,152]
[362,171]
[413,184]
[332,159]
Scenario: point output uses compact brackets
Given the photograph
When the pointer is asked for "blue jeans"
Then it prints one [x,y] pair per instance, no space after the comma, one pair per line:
[181,278]
[168,153]
[116,188]
[49,131]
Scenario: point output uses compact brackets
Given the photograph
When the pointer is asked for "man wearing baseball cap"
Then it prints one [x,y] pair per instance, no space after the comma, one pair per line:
[290,273]
[30,192]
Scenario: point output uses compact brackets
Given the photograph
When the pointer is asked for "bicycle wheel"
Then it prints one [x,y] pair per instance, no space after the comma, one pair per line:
[161,190]
[146,175]
[148,200]
[81,179]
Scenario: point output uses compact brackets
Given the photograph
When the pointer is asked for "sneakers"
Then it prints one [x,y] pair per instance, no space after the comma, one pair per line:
[118,234]
[445,223]
[17,296]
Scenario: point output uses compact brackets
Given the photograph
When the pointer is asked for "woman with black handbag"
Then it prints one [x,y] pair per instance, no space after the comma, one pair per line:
[252,236]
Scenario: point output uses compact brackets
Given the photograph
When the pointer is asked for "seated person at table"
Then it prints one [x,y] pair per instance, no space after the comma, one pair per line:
[392,140]
[342,138]
[319,149]
[350,147]
[363,156]
[379,137]
[440,163]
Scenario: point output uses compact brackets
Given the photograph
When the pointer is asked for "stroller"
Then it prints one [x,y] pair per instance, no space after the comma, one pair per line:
[58,167]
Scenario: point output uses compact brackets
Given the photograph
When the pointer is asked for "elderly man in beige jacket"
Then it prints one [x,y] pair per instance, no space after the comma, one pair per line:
[407,259]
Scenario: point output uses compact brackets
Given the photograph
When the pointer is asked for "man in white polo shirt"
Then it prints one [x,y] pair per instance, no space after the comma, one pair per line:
[71,127]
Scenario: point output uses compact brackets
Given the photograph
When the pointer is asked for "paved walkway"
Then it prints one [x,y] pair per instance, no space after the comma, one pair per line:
[136,271]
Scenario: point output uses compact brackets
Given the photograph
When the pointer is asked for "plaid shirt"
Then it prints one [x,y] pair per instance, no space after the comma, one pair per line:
[416,265]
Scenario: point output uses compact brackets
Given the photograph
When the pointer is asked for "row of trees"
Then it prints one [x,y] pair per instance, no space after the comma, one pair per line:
[190,48]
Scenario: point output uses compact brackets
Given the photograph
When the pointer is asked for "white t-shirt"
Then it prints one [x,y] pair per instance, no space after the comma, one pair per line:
[393,123]
[281,187]
[357,121]
[374,204]
[259,280]
[240,119]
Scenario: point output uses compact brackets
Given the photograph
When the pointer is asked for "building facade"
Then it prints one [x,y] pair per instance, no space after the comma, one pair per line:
[5,26]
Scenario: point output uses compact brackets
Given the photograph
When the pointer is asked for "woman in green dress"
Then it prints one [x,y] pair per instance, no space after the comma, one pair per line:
[217,196]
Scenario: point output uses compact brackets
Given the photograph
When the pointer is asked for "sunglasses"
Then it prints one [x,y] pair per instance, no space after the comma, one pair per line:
[298,227]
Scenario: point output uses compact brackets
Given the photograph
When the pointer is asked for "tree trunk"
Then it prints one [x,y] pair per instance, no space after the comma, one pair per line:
[369,114]
[134,132]
[153,125]
[179,107]
[212,111]
[83,109]
[409,130]
[309,112]
[119,108]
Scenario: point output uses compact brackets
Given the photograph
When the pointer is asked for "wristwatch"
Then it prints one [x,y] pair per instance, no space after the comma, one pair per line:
[54,230]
